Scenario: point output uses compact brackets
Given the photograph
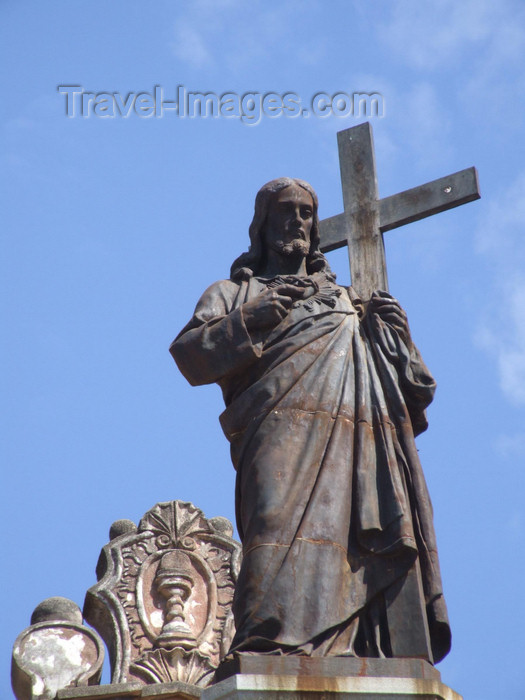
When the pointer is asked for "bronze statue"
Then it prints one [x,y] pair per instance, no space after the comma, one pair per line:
[323,401]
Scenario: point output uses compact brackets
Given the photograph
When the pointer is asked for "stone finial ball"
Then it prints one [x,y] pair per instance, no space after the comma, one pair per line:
[222,525]
[121,527]
[57,608]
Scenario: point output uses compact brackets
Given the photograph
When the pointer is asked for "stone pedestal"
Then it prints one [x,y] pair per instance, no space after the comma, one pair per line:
[293,678]
[324,667]
[245,677]
[133,691]
[255,687]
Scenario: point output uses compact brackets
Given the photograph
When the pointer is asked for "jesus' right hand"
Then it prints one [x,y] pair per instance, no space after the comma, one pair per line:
[269,308]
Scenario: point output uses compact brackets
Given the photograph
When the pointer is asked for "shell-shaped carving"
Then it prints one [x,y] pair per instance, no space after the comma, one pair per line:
[173,521]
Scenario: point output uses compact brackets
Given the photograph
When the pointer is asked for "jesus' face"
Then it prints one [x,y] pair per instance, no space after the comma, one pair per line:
[289,222]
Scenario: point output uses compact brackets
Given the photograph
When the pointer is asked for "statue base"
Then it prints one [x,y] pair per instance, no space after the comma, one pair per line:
[270,677]
[335,688]
[247,677]
[324,667]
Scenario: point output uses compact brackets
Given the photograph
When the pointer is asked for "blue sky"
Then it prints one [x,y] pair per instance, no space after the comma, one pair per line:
[113,227]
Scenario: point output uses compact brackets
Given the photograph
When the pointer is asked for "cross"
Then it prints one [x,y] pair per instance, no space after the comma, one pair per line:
[366,217]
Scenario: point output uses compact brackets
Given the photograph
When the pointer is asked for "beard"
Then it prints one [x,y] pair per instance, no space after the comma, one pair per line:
[295,248]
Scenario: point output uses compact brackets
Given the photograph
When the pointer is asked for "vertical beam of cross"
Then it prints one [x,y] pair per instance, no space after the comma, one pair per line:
[361,204]
[366,217]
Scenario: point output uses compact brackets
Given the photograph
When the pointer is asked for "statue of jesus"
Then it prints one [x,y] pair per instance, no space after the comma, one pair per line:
[323,403]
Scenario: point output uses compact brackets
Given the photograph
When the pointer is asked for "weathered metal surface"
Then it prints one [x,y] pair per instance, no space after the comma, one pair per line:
[406,614]
[322,406]
[163,601]
[361,203]
[432,198]
[366,217]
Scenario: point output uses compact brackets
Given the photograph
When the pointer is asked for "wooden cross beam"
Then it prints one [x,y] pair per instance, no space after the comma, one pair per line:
[366,217]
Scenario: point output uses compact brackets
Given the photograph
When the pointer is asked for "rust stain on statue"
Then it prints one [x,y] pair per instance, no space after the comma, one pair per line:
[322,423]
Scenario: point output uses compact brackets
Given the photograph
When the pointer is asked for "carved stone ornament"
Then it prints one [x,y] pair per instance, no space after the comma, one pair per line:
[163,600]
[55,652]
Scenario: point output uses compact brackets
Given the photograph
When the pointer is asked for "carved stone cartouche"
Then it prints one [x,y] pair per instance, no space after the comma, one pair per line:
[163,600]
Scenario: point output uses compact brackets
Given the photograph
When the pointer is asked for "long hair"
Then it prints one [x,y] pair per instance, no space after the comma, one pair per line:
[249,264]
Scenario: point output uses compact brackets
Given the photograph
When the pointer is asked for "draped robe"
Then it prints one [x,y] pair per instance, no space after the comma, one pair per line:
[331,502]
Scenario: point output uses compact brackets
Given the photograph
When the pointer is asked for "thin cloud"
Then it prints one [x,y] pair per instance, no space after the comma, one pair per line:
[436,36]
[223,34]
[426,124]
[190,45]
[478,44]
[501,332]
[418,127]
[510,446]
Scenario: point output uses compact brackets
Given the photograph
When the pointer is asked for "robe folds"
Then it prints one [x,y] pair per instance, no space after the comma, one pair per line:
[331,502]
